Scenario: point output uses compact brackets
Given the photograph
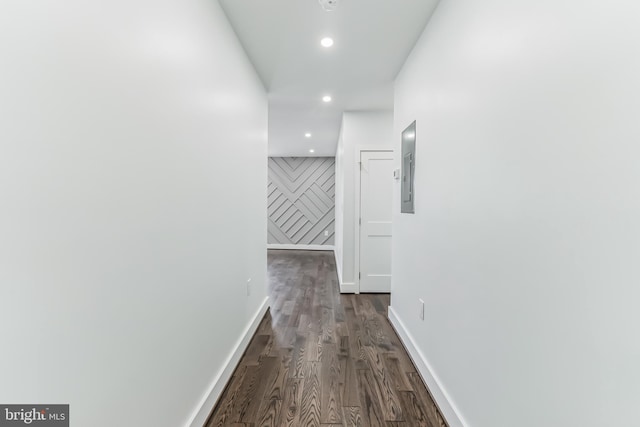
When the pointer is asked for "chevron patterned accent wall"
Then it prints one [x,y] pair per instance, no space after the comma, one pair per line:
[301,200]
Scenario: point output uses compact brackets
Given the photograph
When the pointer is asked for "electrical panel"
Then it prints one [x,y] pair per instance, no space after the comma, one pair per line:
[408,169]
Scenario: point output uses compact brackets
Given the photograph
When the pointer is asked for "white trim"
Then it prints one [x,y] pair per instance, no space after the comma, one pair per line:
[356,227]
[210,398]
[442,399]
[348,288]
[338,267]
[359,150]
[301,247]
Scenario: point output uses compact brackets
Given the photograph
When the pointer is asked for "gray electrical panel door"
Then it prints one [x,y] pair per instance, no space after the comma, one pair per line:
[408,169]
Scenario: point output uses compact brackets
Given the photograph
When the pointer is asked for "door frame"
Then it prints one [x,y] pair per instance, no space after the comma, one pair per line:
[359,150]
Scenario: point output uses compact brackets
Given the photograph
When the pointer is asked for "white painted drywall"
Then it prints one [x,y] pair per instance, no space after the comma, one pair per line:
[525,245]
[127,232]
[359,129]
[339,230]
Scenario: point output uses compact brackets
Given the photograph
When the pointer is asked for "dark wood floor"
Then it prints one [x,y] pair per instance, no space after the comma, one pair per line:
[323,359]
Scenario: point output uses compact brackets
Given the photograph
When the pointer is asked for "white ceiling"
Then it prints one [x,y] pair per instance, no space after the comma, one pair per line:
[282,38]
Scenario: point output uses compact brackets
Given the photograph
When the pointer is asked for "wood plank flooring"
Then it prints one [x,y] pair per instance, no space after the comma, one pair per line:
[323,359]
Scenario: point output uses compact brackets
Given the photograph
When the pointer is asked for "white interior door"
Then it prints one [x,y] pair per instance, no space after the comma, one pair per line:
[376,192]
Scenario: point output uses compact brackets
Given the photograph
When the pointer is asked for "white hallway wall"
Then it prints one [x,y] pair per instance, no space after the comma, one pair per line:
[526,238]
[339,229]
[122,269]
[359,129]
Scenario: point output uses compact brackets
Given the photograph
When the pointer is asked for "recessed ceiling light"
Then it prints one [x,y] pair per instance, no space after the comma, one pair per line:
[326,98]
[312,151]
[307,135]
[329,5]
[326,42]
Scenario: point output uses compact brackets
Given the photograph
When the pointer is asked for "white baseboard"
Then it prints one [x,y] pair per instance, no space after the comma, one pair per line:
[348,288]
[338,268]
[201,414]
[444,402]
[301,247]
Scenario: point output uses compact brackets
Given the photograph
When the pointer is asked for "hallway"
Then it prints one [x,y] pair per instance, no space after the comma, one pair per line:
[321,358]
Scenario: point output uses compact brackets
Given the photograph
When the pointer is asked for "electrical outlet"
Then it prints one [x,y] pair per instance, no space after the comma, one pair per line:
[421,309]
[326,232]
[248,287]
